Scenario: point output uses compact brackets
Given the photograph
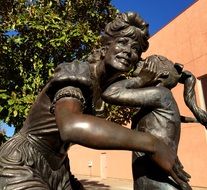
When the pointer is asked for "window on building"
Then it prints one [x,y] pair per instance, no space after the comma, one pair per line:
[203,90]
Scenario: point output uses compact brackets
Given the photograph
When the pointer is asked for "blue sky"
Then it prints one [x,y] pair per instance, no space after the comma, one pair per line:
[9,129]
[157,13]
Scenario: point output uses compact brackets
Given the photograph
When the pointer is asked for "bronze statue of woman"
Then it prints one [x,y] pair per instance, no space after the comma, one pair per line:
[64,113]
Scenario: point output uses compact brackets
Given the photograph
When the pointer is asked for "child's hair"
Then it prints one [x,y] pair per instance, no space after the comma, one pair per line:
[189,81]
[185,77]
[166,69]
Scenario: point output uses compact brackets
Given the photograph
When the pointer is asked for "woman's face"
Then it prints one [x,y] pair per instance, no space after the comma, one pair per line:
[122,54]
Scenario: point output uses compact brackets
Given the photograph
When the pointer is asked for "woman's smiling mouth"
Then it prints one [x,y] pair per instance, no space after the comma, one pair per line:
[123,59]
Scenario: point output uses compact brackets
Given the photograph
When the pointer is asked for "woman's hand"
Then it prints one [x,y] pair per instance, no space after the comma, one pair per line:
[167,159]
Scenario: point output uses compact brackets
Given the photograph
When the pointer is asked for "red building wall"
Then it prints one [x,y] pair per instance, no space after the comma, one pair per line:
[183,40]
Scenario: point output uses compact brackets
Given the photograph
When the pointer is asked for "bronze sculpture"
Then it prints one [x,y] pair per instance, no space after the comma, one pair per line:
[158,115]
[36,157]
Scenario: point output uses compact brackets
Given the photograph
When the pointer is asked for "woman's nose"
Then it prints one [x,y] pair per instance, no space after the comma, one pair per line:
[128,49]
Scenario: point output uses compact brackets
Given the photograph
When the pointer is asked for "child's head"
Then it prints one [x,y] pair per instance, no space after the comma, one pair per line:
[167,73]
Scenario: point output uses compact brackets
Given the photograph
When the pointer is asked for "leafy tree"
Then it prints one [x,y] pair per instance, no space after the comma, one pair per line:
[36,35]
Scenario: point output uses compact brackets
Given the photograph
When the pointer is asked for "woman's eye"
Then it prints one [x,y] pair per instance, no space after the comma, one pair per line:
[136,49]
[122,41]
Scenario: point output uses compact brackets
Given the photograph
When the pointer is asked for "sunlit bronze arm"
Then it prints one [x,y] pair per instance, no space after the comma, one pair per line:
[98,133]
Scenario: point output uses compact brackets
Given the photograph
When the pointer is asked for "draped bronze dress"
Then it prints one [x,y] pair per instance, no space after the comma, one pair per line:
[36,157]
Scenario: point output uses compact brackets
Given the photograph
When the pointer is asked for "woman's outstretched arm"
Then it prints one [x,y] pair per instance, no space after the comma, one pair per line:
[98,133]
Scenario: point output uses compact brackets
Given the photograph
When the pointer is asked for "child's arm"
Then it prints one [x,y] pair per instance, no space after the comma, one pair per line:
[120,93]
[189,81]
[144,75]
[129,92]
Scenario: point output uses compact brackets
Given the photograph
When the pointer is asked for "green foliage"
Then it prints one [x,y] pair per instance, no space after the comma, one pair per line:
[47,33]
[120,114]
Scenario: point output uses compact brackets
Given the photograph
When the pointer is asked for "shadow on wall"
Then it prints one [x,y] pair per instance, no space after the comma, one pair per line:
[95,185]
